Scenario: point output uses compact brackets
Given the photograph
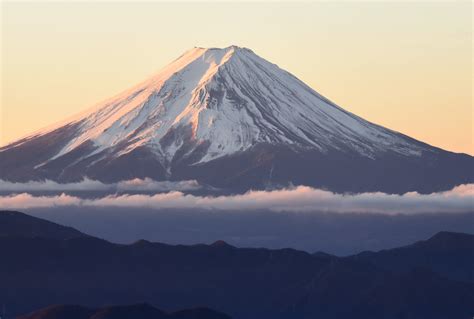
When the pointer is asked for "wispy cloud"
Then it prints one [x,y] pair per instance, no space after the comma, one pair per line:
[298,199]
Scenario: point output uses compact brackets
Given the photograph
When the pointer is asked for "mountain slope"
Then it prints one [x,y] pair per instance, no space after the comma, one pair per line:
[138,311]
[231,119]
[243,282]
[16,224]
[447,253]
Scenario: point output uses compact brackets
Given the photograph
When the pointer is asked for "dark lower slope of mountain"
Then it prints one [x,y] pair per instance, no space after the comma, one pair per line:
[260,167]
[17,224]
[138,311]
[243,282]
[362,293]
[447,253]
[267,165]
[60,311]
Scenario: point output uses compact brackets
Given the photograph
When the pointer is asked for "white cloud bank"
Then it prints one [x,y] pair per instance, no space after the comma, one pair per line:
[459,199]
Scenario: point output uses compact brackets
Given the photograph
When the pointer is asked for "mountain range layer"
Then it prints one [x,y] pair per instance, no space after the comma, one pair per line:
[429,279]
[137,311]
[230,119]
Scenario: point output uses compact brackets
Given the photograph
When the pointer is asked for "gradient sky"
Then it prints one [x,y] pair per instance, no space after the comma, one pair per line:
[406,66]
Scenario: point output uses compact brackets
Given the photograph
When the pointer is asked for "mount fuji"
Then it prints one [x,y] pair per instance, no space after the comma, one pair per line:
[232,120]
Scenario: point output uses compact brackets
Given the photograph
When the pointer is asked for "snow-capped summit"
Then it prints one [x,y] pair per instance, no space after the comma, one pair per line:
[209,108]
[230,99]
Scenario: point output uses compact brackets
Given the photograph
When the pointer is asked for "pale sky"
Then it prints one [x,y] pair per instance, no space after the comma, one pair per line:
[405,65]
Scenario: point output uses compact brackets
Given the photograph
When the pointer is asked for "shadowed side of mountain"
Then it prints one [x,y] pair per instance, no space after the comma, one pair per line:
[271,165]
[59,312]
[198,313]
[447,253]
[17,224]
[352,290]
[246,283]
[425,280]
[137,311]
[144,311]
[242,282]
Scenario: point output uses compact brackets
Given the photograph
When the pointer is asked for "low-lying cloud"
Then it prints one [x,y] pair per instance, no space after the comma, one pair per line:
[298,199]
[134,185]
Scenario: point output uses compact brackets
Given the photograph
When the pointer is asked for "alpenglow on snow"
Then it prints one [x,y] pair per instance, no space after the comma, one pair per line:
[231,119]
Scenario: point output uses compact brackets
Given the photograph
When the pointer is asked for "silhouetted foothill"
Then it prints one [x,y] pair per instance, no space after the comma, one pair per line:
[428,279]
[138,311]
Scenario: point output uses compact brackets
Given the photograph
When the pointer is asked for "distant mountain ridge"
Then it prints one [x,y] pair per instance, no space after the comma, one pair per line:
[16,224]
[445,253]
[429,279]
[230,119]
